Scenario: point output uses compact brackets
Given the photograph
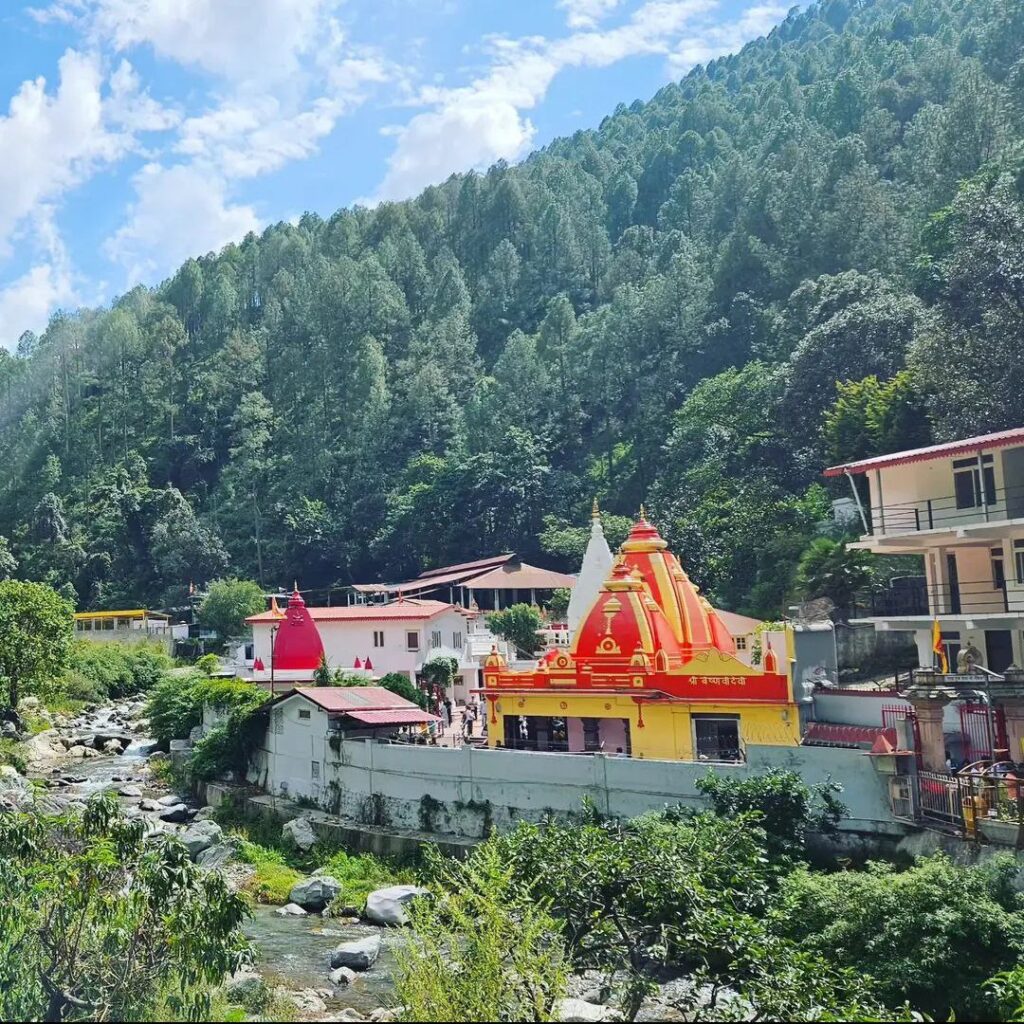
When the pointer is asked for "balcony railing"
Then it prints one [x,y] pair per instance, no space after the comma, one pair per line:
[915,597]
[944,512]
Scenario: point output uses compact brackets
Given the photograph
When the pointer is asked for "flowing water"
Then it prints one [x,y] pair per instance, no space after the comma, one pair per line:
[295,952]
[291,951]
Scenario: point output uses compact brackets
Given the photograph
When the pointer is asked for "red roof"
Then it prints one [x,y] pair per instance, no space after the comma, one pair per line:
[342,699]
[409,609]
[298,646]
[830,734]
[411,716]
[1000,439]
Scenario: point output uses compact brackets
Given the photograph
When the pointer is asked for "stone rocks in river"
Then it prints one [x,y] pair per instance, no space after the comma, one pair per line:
[16,791]
[299,832]
[130,791]
[290,910]
[246,987]
[342,976]
[113,747]
[43,748]
[144,748]
[150,805]
[200,836]
[384,1014]
[217,857]
[315,893]
[306,1000]
[205,812]
[387,906]
[174,813]
[582,1011]
[169,800]
[77,751]
[360,955]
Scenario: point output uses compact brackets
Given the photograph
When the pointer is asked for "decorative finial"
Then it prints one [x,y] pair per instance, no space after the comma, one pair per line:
[295,584]
[643,513]
[595,512]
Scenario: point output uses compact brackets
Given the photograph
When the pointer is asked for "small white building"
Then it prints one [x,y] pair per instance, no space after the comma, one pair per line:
[304,721]
[376,639]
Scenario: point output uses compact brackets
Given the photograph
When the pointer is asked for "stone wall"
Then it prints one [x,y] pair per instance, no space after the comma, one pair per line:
[863,652]
[467,791]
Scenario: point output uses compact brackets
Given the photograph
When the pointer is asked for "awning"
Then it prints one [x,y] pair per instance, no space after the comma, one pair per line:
[399,717]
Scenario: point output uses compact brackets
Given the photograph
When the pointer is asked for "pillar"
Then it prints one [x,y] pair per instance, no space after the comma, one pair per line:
[1013,707]
[929,722]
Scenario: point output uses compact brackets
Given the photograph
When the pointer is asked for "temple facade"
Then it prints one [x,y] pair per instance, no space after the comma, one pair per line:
[652,671]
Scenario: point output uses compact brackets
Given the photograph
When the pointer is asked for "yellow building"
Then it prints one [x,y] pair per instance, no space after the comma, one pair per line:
[652,672]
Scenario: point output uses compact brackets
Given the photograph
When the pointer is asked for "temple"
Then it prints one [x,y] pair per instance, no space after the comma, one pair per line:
[651,672]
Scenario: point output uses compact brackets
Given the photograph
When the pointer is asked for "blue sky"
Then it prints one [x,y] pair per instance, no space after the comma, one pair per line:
[136,133]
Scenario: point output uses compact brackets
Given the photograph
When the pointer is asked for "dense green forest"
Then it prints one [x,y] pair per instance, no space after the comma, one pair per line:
[656,310]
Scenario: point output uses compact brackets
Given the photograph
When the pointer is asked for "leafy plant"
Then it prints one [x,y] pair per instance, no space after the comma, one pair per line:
[519,625]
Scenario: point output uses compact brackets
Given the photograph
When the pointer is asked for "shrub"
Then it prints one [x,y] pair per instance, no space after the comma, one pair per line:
[518,625]
[119,670]
[208,664]
[399,683]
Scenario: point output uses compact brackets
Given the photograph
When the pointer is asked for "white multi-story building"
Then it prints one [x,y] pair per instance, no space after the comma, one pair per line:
[376,639]
[960,506]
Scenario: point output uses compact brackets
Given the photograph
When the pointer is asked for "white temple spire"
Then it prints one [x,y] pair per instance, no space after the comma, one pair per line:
[596,568]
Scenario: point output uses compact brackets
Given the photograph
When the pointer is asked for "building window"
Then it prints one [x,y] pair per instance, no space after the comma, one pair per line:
[435,638]
[378,638]
[998,570]
[1018,560]
[741,643]
[951,645]
[315,769]
[304,714]
[967,482]
[278,721]
[412,641]
[457,640]
[717,737]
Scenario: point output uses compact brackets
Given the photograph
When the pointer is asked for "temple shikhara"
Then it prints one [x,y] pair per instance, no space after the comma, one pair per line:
[652,671]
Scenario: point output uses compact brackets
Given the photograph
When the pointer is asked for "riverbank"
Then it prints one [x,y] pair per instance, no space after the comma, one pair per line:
[293,975]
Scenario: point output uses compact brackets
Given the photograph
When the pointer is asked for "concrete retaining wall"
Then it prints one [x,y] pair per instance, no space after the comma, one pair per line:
[467,791]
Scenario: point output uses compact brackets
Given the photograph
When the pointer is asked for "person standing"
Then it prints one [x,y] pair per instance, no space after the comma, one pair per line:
[446,715]
[468,717]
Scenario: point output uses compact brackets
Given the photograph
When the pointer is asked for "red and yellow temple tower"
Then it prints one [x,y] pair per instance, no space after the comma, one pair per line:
[652,672]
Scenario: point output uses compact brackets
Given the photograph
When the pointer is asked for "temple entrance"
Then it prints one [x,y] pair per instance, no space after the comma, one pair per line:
[567,735]
[717,737]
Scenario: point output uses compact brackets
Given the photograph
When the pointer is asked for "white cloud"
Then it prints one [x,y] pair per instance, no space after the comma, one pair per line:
[717,40]
[52,141]
[241,40]
[586,13]
[27,302]
[178,212]
[477,124]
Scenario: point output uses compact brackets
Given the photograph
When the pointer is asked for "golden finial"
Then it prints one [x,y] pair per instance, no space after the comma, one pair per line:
[595,512]
[643,513]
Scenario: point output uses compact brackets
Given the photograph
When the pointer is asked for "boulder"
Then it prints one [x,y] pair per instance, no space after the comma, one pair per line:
[201,835]
[175,813]
[150,805]
[290,910]
[247,988]
[205,812]
[16,791]
[306,1001]
[43,748]
[217,857]
[342,976]
[130,791]
[582,1011]
[360,955]
[387,906]
[77,750]
[385,1014]
[113,747]
[170,800]
[315,893]
[299,832]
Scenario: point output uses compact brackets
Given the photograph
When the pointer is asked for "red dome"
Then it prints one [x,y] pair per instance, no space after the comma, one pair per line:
[624,622]
[298,647]
[688,615]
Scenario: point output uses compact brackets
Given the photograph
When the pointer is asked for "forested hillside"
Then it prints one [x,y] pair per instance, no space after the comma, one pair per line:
[656,310]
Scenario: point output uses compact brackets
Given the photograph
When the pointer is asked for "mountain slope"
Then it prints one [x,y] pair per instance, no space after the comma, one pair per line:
[659,308]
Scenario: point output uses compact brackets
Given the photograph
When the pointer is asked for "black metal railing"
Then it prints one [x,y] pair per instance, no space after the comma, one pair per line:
[914,596]
[935,513]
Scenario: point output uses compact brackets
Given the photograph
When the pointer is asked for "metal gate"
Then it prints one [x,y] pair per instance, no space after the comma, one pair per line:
[977,730]
[895,714]
[942,797]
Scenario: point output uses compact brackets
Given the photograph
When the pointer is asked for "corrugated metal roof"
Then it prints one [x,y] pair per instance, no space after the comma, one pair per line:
[342,699]
[480,563]
[831,734]
[398,717]
[1000,439]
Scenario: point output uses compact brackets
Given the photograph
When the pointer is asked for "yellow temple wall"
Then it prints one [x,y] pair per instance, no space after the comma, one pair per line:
[667,733]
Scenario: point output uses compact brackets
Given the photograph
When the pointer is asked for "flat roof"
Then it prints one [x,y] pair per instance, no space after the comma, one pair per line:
[969,445]
[128,613]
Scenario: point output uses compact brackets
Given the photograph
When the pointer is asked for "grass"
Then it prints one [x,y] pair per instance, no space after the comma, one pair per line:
[279,865]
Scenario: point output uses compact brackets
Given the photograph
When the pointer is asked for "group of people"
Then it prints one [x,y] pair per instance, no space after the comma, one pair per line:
[470,716]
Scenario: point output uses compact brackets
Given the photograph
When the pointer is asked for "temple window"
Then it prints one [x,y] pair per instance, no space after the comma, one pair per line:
[741,643]
[717,737]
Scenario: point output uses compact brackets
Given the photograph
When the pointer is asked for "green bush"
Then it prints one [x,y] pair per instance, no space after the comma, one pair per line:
[117,670]
[208,664]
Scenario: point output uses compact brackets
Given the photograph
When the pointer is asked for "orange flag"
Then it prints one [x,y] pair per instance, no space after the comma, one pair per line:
[938,648]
